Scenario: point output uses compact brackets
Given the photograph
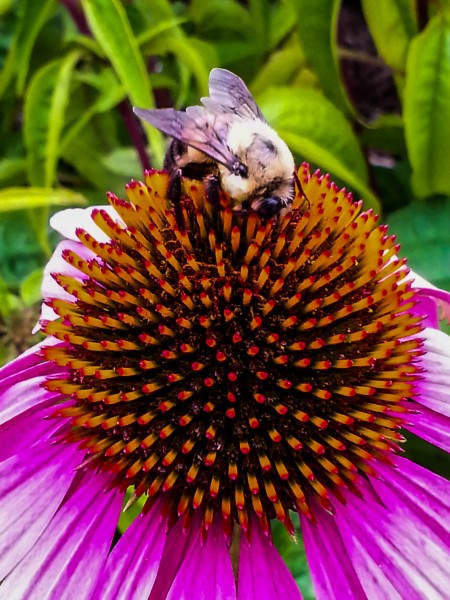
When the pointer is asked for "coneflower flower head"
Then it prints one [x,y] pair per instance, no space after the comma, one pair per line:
[226,374]
[240,366]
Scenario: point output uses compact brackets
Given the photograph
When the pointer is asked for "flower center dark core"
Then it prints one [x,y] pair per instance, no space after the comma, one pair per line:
[242,366]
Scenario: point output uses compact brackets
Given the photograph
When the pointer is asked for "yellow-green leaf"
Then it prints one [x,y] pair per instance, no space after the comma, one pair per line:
[45,106]
[26,198]
[110,26]
[392,25]
[427,109]
[317,26]
[32,16]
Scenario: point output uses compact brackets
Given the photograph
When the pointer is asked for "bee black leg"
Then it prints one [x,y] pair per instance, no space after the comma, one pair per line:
[174,194]
[213,190]
[300,188]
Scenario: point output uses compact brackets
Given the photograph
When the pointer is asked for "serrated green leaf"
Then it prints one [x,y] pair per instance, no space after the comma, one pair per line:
[30,288]
[109,24]
[316,131]
[427,109]
[317,29]
[32,16]
[423,231]
[392,25]
[44,110]
[27,198]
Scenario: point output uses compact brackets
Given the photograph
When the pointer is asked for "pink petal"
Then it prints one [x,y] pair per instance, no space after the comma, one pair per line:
[331,569]
[32,426]
[206,571]
[67,221]
[22,363]
[33,484]
[177,546]
[434,389]
[432,427]
[20,396]
[262,573]
[131,567]
[66,560]
[427,308]
[397,551]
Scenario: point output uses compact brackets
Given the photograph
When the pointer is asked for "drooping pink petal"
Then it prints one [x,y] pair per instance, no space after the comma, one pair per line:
[66,560]
[396,550]
[425,289]
[331,569]
[33,485]
[434,389]
[206,572]
[67,221]
[426,494]
[30,427]
[262,573]
[23,363]
[131,567]
[432,427]
[177,546]
[19,396]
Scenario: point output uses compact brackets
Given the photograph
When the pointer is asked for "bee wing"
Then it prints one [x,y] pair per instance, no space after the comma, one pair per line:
[229,94]
[196,128]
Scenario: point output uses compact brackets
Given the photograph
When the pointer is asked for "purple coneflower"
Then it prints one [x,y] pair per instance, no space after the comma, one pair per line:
[228,375]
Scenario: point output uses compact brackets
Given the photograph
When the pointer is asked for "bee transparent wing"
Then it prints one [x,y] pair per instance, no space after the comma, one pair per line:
[195,128]
[229,94]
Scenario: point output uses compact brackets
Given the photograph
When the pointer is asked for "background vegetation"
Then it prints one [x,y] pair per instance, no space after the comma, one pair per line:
[360,89]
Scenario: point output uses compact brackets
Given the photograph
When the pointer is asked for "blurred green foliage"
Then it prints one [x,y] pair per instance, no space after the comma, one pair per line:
[358,88]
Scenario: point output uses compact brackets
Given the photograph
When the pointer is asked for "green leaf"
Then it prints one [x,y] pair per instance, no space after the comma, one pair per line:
[32,16]
[30,288]
[427,109]
[317,29]
[5,6]
[423,231]
[110,93]
[163,27]
[292,551]
[128,516]
[26,198]
[123,161]
[109,24]
[7,300]
[280,68]
[45,106]
[282,20]
[392,25]
[12,170]
[318,132]
[220,16]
